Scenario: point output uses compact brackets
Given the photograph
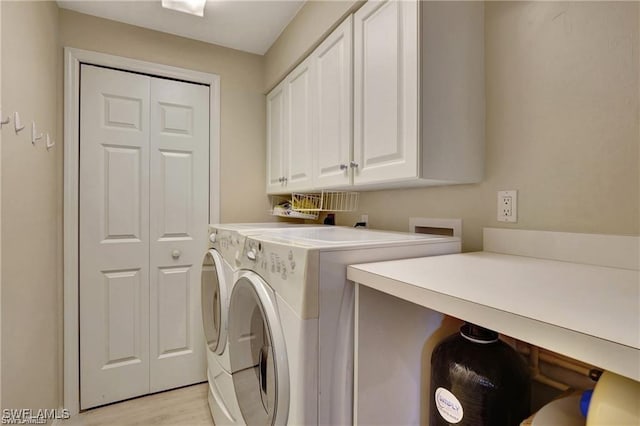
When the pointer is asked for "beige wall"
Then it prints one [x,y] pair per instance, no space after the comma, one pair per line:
[31,215]
[562,128]
[242,102]
[311,24]
[1,212]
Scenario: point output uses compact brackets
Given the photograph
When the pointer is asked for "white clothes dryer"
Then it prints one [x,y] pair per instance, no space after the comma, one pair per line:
[217,279]
[220,262]
[291,319]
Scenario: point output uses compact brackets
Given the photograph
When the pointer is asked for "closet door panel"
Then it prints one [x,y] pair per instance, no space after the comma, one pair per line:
[114,235]
[179,200]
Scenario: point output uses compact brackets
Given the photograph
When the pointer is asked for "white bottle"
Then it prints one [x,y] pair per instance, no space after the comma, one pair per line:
[615,401]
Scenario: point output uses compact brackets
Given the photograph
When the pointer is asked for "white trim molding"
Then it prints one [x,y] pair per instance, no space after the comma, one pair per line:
[73,58]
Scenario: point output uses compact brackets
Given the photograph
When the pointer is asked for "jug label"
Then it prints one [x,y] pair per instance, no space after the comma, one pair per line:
[448,406]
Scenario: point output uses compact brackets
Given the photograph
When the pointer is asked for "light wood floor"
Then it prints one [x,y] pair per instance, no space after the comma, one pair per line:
[185,406]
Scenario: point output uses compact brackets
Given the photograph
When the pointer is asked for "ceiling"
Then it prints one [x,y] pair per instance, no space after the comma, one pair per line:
[248,25]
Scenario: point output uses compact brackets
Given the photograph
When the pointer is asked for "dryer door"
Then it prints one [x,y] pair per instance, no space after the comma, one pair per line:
[215,299]
[259,364]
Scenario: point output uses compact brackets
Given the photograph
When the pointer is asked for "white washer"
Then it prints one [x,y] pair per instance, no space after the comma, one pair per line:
[226,242]
[291,319]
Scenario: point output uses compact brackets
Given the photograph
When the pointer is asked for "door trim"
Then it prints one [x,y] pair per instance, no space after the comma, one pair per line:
[72,60]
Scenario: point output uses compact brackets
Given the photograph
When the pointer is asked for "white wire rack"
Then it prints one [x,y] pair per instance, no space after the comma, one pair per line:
[309,206]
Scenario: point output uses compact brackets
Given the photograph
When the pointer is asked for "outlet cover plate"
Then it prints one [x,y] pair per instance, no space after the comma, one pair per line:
[508,206]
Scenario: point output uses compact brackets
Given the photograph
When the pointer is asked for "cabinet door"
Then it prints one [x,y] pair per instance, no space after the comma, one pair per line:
[275,138]
[298,147]
[386,91]
[333,137]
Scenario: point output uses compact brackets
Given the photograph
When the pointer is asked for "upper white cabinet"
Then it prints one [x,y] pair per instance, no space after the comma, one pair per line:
[332,152]
[394,97]
[290,132]
[418,93]
[386,91]
[275,139]
[299,127]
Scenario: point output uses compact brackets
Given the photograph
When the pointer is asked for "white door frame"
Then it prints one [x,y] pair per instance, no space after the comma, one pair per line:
[72,60]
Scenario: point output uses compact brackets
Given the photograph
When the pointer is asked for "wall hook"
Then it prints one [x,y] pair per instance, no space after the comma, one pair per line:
[34,135]
[17,123]
[50,143]
[3,121]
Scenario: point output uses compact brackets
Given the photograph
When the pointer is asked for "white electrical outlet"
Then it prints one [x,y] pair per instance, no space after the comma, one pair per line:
[508,206]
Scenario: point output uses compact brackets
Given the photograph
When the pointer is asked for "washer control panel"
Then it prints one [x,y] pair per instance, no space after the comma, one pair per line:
[228,243]
[274,260]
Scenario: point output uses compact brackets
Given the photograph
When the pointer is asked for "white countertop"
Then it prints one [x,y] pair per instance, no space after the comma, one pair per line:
[588,312]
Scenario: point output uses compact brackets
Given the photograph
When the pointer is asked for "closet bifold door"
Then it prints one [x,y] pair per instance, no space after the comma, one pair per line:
[179,198]
[144,207]
[114,235]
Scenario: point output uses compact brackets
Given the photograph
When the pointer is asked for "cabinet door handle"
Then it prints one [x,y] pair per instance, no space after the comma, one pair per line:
[353,165]
[176,253]
[343,167]
[284,180]
[280,179]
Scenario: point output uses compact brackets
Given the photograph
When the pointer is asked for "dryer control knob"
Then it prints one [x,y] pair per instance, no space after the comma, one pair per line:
[212,237]
[251,255]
